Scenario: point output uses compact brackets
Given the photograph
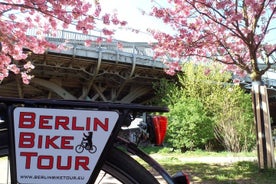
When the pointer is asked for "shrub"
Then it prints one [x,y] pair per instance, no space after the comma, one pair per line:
[189,126]
[205,106]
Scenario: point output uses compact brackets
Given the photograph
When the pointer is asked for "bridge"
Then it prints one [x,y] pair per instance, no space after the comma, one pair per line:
[114,71]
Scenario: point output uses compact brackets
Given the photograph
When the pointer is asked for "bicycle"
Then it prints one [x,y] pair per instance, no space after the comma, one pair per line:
[41,135]
[83,145]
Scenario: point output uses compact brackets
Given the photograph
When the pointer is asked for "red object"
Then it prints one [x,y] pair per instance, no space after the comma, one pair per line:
[160,127]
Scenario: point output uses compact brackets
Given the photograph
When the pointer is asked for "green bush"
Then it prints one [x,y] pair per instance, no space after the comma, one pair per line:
[189,126]
[206,108]
[234,121]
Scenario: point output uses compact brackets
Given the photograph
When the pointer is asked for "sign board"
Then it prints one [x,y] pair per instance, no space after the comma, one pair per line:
[59,145]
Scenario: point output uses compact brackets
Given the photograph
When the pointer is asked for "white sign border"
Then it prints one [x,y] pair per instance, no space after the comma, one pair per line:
[46,111]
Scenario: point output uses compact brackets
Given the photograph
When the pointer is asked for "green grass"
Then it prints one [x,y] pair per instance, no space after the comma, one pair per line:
[240,172]
[197,153]
[244,172]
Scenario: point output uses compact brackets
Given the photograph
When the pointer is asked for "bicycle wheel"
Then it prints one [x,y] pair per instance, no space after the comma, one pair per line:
[79,148]
[124,169]
[93,150]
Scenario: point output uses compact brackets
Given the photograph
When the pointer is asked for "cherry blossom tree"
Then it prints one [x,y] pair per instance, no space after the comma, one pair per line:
[45,17]
[237,33]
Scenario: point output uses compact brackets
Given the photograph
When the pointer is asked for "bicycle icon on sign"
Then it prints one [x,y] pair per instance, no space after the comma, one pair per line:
[86,143]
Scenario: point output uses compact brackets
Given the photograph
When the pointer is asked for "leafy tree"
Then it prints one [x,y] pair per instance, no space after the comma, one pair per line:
[44,17]
[204,106]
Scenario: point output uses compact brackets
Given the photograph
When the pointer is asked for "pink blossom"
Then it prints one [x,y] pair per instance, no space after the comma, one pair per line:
[86,7]
[29,66]
[216,31]
[98,9]
[87,43]
[106,19]
[207,71]
[115,20]
[20,16]
[4,73]
[172,67]
[123,23]
[107,32]
[170,72]
[99,40]
[108,39]
[119,45]
[13,68]
[236,81]
[26,78]
[12,16]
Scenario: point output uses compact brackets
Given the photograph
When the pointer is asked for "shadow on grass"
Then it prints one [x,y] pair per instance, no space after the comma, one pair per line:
[235,173]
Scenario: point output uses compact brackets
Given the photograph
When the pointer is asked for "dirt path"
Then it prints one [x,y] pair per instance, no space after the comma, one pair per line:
[209,159]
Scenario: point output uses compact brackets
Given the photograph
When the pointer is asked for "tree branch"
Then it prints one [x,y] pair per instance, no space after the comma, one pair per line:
[48,13]
[214,18]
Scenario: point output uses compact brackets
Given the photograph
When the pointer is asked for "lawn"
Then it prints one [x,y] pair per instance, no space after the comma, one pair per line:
[236,173]
[214,172]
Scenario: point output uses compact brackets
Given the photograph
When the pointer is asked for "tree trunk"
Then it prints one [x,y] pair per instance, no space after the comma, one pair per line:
[265,146]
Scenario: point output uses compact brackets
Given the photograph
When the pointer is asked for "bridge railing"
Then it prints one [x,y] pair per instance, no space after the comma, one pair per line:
[75,38]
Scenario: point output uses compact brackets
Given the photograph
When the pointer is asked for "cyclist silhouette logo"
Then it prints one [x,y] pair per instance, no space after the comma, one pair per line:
[88,139]
[86,143]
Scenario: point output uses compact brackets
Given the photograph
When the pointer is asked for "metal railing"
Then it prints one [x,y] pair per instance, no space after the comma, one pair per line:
[76,38]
